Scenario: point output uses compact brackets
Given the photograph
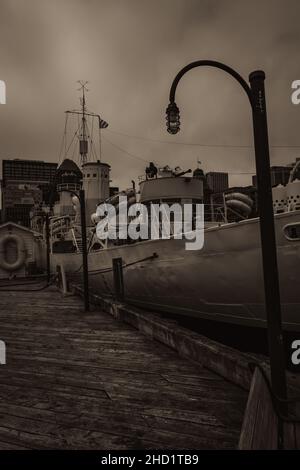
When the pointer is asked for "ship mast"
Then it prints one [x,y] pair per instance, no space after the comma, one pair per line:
[83,128]
[83,141]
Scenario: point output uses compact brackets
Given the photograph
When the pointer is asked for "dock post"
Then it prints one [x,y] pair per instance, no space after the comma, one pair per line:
[118,278]
[84,252]
[48,247]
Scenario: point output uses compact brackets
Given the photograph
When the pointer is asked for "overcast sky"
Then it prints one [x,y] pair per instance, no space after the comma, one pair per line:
[130,51]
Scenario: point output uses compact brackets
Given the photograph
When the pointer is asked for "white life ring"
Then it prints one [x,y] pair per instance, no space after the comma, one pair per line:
[21,256]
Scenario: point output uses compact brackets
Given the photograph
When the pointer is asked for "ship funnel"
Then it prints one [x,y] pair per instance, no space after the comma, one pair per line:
[95,178]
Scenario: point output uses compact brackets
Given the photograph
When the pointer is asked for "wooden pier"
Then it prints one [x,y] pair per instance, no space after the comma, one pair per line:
[76,380]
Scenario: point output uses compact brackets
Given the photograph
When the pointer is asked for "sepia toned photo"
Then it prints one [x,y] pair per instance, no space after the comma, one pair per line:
[149,232]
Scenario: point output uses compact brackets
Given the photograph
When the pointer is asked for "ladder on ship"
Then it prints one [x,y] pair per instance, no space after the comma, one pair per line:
[77,239]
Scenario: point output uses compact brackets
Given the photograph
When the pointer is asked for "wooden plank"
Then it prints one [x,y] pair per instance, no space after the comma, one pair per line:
[290,436]
[224,360]
[77,380]
[260,425]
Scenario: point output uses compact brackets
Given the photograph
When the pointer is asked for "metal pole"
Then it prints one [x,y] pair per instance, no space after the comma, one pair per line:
[48,247]
[118,278]
[84,251]
[267,231]
[212,209]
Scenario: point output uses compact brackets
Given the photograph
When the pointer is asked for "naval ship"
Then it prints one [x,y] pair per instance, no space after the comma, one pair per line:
[222,281]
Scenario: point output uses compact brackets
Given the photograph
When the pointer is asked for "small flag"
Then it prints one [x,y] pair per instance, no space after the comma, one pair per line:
[102,124]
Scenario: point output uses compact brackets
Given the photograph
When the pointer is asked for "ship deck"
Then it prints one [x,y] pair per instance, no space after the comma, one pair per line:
[75,380]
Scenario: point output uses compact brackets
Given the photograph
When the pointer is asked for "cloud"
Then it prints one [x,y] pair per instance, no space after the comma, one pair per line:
[130,51]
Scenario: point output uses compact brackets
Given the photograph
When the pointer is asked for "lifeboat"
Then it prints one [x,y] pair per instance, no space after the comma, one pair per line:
[239,202]
[21,252]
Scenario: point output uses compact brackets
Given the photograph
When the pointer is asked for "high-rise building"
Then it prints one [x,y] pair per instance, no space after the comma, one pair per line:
[25,183]
[217,181]
[279,175]
[28,170]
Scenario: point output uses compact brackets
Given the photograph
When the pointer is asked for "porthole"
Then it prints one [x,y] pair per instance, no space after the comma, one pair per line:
[292,231]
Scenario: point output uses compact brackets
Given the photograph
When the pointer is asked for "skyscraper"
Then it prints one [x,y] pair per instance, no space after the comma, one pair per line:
[24,184]
[279,175]
[217,181]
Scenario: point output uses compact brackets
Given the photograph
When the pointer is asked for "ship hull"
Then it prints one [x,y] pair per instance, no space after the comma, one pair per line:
[221,282]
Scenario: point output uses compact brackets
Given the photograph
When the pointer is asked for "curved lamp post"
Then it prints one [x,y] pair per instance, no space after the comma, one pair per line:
[256,96]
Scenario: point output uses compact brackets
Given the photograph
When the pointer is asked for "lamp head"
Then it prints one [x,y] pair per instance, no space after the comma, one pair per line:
[173,118]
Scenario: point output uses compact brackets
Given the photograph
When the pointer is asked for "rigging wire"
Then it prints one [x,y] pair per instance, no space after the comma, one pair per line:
[138,157]
[65,132]
[195,144]
[93,147]
[91,138]
[73,153]
[100,149]
[75,134]
[63,141]
[125,151]
[147,161]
